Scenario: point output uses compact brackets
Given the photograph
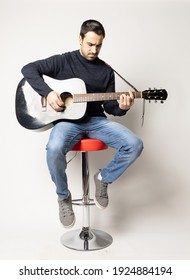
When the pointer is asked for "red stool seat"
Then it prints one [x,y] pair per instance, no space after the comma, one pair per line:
[89,144]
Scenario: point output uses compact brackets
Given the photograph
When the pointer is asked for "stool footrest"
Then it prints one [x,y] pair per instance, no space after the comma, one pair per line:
[80,202]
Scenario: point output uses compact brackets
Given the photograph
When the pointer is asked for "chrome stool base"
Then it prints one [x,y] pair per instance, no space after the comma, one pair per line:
[86,240]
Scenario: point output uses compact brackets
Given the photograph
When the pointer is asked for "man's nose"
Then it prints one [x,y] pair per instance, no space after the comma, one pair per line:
[94,49]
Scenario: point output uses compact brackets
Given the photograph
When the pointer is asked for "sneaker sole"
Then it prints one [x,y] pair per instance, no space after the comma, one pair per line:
[99,205]
[71,225]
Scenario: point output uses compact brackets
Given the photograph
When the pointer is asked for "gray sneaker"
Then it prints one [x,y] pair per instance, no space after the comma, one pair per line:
[66,214]
[101,195]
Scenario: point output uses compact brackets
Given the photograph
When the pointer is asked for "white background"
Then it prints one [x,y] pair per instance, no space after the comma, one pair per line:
[148,216]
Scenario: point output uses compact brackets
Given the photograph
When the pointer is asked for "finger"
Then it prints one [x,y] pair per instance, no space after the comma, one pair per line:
[123,97]
[131,95]
[56,107]
[123,100]
[60,101]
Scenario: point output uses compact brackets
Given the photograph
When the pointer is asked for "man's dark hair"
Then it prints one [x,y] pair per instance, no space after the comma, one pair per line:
[92,25]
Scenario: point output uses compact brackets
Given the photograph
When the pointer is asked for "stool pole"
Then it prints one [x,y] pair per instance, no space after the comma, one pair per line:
[85,187]
[85,176]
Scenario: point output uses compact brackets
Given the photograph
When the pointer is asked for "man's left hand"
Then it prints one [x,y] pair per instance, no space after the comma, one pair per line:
[126,101]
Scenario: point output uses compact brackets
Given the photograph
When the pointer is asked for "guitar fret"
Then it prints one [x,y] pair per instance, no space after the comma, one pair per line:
[91,97]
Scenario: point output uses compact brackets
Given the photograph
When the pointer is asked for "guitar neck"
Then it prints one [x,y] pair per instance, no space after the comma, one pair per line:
[91,97]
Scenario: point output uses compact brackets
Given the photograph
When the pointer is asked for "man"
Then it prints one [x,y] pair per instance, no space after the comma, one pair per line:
[98,77]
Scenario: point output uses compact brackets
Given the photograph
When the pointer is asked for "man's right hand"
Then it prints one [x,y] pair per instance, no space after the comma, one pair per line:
[55,101]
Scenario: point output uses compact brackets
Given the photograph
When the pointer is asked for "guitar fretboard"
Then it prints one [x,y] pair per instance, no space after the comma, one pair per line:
[91,97]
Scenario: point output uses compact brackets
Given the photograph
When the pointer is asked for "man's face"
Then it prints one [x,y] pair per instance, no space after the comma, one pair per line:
[90,45]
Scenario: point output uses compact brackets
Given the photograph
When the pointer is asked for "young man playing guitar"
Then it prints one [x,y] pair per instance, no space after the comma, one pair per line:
[98,78]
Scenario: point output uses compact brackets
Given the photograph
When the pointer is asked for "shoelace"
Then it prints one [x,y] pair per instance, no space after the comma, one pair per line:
[65,208]
[103,190]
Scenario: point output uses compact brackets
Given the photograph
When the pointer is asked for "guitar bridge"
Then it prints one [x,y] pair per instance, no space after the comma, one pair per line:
[44,103]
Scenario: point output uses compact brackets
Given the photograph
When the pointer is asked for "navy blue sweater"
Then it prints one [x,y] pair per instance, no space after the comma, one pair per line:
[98,77]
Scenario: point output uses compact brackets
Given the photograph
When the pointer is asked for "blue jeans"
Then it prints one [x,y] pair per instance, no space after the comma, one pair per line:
[64,135]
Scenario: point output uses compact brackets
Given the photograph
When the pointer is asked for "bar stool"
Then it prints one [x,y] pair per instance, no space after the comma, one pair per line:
[86,239]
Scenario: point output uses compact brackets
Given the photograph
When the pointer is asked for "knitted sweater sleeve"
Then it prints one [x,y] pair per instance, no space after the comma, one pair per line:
[34,71]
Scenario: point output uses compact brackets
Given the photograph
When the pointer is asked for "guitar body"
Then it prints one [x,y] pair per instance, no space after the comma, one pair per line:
[33,112]
[30,113]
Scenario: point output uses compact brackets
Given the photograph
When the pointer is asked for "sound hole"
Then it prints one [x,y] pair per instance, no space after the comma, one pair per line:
[67,98]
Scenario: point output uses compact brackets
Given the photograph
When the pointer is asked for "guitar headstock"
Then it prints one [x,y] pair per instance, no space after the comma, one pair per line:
[155,94]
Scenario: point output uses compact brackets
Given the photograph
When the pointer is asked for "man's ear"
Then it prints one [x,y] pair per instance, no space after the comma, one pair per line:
[80,40]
